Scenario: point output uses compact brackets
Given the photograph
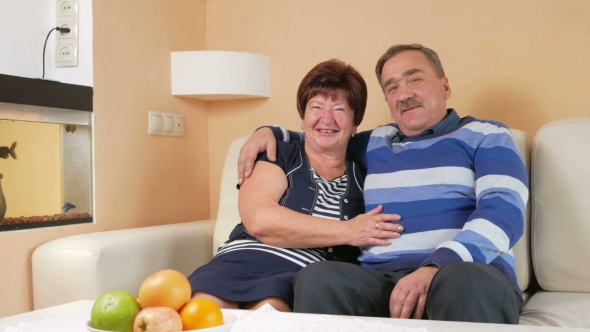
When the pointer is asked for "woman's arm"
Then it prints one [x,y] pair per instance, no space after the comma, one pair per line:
[276,225]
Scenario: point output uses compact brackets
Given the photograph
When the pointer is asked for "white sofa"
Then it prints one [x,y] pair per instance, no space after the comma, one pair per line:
[84,266]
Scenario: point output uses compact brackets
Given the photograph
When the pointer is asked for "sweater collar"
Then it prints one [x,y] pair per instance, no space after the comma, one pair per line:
[450,121]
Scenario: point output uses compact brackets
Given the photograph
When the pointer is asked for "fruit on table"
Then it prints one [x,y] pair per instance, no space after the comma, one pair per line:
[165,288]
[200,314]
[114,311]
[157,319]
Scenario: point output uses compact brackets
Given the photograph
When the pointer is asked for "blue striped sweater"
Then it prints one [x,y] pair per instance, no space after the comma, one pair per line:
[461,194]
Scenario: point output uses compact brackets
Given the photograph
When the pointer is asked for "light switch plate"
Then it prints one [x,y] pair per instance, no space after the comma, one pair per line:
[178,125]
[165,124]
[156,123]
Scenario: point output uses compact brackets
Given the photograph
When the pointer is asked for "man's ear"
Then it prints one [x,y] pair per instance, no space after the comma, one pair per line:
[447,88]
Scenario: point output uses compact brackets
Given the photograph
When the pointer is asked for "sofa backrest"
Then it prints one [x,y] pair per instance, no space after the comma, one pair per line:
[560,176]
[228,215]
[522,249]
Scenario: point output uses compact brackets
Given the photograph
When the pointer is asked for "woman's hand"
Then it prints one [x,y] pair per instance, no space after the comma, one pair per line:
[260,141]
[372,228]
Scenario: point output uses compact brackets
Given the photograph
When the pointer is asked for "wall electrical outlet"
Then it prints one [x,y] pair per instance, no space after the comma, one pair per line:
[66,44]
[66,53]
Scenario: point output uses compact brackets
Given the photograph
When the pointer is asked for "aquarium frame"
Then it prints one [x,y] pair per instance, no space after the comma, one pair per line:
[50,100]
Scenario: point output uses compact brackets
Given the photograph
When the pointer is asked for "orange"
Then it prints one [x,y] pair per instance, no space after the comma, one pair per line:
[165,288]
[200,314]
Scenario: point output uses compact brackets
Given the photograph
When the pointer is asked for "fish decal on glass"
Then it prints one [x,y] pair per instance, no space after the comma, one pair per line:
[68,206]
[2,200]
[70,128]
[8,151]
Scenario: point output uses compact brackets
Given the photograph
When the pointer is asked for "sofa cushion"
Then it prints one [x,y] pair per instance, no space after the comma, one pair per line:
[557,309]
[81,267]
[560,179]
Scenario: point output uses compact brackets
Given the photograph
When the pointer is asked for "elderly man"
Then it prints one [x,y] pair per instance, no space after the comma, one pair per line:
[460,186]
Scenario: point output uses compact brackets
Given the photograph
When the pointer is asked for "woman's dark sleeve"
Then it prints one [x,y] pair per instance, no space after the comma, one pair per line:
[357,147]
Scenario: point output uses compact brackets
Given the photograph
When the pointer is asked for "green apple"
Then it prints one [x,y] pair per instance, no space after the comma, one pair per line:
[114,311]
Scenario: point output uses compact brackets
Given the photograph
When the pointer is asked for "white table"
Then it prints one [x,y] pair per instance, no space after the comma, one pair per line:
[84,306]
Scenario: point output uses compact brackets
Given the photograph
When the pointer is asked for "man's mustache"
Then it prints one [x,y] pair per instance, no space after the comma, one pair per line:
[410,103]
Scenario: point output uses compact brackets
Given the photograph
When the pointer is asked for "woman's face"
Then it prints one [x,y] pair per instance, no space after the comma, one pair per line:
[328,123]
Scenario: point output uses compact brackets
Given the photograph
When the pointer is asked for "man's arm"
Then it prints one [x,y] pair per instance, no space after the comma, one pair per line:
[491,230]
[501,194]
[264,139]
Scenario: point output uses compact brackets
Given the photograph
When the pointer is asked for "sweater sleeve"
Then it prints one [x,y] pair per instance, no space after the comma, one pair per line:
[501,194]
[285,135]
[356,149]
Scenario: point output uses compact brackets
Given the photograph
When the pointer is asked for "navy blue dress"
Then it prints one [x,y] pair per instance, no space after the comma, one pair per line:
[244,269]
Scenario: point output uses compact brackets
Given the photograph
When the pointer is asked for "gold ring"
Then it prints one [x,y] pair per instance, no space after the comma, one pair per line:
[376,225]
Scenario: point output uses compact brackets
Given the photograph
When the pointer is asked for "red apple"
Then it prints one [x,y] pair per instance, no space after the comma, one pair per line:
[157,319]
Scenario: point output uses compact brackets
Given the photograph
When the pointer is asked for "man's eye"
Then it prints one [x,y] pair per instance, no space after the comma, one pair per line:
[392,89]
[414,80]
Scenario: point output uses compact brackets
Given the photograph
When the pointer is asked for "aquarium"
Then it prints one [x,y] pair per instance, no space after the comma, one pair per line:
[45,166]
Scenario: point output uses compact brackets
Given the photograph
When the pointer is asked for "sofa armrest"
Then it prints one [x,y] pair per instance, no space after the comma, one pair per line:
[81,267]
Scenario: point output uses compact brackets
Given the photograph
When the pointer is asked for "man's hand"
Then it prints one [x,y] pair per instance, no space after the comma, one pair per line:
[372,228]
[261,140]
[408,299]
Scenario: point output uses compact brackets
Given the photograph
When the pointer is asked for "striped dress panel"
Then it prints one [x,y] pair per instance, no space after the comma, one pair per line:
[301,257]
[327,203]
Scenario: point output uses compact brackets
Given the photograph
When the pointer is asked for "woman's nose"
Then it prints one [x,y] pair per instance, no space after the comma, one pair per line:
[327,117]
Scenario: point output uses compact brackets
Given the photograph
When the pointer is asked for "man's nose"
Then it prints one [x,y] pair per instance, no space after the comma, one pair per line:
[404,92]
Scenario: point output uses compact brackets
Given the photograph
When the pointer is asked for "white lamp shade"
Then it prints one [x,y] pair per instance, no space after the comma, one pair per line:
[218,75]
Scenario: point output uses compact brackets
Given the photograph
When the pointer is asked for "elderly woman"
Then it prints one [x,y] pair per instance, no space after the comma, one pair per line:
[302,208]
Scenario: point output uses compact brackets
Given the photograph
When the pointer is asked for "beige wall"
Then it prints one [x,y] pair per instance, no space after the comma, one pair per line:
[522,62]
[141,180]
[31,183]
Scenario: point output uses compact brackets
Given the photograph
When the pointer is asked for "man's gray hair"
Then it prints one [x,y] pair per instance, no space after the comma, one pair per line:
[396,49]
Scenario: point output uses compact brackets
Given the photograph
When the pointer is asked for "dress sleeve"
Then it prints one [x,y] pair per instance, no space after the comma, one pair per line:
[286,155]
[501,190]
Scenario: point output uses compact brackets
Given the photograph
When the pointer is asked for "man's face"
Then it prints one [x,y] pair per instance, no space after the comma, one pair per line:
[415,94]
